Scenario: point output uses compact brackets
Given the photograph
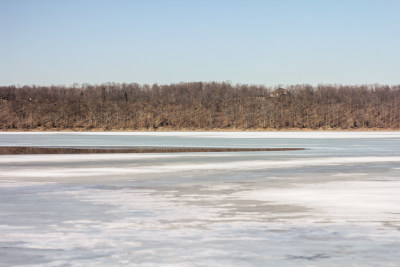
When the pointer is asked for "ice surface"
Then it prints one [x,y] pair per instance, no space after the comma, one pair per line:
[356,201]
[231,165]
[335,204]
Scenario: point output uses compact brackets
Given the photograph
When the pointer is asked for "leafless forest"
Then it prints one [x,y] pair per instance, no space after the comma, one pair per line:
[199,106]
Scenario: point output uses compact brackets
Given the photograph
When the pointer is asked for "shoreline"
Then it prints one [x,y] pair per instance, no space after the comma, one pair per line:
[203,130]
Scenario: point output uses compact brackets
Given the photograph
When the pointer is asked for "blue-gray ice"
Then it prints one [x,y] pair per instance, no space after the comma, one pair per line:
[335,204]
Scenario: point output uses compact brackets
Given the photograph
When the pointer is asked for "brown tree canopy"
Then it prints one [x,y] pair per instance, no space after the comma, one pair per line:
[199,106]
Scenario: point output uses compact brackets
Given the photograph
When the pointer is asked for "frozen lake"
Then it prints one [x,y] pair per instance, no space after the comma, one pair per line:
[337,203]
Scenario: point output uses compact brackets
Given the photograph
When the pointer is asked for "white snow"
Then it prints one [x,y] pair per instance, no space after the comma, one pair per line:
[338,201]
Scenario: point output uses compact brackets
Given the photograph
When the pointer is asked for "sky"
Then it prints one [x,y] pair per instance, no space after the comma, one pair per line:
[269,42]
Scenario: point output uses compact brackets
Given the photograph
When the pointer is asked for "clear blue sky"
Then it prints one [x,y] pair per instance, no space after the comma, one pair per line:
[259,42]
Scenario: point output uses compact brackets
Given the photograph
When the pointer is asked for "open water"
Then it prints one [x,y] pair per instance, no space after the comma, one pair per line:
[337,203]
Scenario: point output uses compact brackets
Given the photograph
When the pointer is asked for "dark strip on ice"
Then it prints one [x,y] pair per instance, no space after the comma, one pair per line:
[144,149]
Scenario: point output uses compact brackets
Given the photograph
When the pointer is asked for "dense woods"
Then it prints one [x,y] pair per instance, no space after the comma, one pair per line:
[199,106]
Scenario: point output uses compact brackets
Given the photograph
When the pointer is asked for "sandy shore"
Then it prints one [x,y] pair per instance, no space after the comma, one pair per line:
[204,130]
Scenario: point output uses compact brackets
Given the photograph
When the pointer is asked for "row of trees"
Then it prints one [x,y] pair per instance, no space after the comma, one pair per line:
[199,106]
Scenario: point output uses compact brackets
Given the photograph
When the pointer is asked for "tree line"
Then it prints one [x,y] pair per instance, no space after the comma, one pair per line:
[198,106]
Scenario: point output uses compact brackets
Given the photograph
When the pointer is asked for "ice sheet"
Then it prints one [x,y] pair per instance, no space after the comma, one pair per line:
[335,204]
[60,172]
